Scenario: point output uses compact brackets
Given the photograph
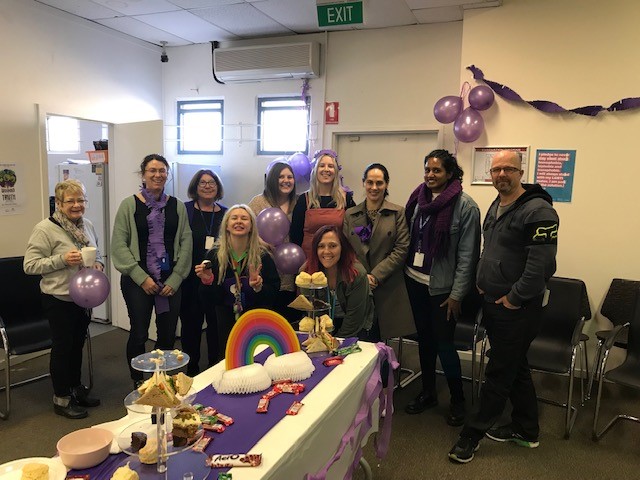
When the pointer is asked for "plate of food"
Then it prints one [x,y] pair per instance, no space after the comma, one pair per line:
[34,468]
[161,390]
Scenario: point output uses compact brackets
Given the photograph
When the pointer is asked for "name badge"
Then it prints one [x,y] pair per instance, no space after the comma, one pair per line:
[208,242]
[418,259]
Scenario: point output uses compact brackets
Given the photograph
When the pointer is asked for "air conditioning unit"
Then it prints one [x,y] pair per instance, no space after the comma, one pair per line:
[267,62]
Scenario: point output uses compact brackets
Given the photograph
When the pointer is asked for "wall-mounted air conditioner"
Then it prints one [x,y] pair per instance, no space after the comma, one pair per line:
[267,62]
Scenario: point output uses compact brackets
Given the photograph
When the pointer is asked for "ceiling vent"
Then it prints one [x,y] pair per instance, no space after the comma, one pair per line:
[267,62]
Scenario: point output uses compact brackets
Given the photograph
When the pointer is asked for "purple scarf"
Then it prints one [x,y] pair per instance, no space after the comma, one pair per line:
[437,233]
[156,250]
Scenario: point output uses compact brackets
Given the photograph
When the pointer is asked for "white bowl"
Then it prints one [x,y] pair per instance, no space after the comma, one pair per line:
[84,448]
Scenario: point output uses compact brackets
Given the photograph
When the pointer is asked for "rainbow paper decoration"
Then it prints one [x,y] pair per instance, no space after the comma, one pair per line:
[258,327]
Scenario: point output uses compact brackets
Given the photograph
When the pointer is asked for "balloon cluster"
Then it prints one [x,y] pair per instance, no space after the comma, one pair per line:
[467,124]
[273,227]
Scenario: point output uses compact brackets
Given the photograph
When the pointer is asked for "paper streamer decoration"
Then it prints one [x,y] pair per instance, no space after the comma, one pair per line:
[551,107]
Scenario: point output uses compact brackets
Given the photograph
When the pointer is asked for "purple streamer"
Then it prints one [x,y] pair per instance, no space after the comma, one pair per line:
[552,107]
[305,89]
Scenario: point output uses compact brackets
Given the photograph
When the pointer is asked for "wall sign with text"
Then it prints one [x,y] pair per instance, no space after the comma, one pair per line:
[554,172]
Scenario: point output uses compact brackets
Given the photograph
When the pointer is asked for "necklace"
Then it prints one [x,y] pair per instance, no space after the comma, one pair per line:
[373,214]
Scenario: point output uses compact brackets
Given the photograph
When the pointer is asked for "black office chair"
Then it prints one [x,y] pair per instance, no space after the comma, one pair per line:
[23,327]
[469,331]
[555,348]
[618,307]
[628,373]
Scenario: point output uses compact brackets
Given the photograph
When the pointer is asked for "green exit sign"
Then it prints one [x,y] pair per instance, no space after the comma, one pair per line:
[332,14]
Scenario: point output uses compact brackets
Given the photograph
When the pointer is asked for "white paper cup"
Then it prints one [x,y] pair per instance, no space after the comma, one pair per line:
[89,256]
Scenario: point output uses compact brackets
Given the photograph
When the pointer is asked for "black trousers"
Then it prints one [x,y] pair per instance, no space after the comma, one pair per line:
[193,311]
[435,339]
[140,307]
[68,323]
[508,376]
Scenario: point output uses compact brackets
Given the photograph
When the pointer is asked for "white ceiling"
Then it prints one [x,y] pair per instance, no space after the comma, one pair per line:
[185,22]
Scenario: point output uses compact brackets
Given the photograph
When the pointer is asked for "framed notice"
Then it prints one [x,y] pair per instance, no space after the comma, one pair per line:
[554,172]
[481,163]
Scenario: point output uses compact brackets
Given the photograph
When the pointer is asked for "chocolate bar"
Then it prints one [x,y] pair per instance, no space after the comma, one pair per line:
[230,460]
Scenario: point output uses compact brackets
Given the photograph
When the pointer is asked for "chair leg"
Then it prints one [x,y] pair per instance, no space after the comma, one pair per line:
[4,414]
[572,412]
[596,367]
[595,435]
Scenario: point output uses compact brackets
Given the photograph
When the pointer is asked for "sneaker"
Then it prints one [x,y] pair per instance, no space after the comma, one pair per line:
[421,403]
[457,414]
[505,433]
[463,451]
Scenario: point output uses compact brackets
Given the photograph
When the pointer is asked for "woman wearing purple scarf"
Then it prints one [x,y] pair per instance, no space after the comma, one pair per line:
[444,224]
[151,246]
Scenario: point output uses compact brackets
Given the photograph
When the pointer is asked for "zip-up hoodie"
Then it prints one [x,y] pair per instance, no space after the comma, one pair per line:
[519,254]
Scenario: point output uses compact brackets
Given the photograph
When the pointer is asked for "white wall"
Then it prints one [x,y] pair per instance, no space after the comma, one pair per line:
[575,53]
[69,68]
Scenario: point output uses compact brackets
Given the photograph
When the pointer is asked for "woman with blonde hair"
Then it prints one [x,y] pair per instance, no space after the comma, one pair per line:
[239,273]
[53,251]
[324,203]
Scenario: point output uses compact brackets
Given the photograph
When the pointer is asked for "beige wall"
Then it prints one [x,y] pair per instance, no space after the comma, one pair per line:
[68,68]
[575,53]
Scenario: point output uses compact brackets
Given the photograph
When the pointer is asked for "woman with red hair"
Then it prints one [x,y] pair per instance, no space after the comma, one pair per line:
[352,307]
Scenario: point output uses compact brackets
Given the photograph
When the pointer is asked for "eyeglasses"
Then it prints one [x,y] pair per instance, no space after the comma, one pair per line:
[210,183]
[79,201]
[153,171]
[507,170]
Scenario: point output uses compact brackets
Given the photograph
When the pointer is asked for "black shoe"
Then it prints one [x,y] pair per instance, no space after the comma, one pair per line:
[70,411]
[80,396]
[421,403]
[505,433]
[457,414]
[463,451]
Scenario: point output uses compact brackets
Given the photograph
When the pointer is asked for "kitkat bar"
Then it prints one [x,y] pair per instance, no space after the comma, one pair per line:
[263,405]
[230,460]
[294,408]
[201,444]
[216,427]
[224,419]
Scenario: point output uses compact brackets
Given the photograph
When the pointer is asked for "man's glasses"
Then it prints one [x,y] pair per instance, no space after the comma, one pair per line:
[79,201]
[210,183]
[507,170]
[153,171]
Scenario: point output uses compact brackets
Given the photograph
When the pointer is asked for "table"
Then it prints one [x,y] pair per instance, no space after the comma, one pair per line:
[342,410]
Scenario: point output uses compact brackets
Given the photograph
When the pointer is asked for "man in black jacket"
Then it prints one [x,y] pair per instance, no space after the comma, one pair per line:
[519,257]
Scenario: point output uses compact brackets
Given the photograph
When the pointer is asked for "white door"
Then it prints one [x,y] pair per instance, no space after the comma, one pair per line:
[402,153]
[129,143]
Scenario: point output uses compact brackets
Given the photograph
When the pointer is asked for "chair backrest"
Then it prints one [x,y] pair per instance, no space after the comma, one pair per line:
[564,312]
[619,303]
[20,292]
[633,342]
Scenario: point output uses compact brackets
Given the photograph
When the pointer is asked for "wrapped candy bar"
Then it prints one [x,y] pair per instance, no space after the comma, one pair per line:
[332,361]
[290,388]
[201,444]
[225,420]
[272,393]
[294,408]
[224,476]
[216,427]
[230,460]
[263,405]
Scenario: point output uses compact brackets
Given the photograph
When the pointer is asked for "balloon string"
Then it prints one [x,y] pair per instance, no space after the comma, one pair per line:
[464,92]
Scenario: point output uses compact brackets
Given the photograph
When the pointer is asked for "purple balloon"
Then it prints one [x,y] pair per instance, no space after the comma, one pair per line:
[273,162]
[481,97]
[89,287]
[447,109]
[300,165]
[468,126]
[273,225]
[288,258]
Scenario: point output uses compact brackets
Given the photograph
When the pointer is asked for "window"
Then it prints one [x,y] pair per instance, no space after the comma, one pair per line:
[200,126]
[283,125]
[63,134]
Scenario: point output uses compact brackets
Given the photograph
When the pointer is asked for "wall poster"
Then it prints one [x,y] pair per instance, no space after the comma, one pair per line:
[554,172]
[481,163]
[12,189]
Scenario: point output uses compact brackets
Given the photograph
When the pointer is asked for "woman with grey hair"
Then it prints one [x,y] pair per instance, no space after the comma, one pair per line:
[54,251]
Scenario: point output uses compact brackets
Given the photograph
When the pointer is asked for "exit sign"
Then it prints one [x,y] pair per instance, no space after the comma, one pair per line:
[332,14]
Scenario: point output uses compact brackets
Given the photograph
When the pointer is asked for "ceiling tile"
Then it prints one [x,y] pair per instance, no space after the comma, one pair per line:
[437,15]
[418,4]
[141,30]
[82,8]
[387,13]
[185,25]
[189,4]
[298,16]
[242,19]
[138,7]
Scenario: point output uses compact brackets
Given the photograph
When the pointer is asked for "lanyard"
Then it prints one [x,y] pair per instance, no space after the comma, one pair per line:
[238,264]
[422,222]
[204,222]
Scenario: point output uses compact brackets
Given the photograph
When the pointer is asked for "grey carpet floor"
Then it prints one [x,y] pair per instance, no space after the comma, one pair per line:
[419,443]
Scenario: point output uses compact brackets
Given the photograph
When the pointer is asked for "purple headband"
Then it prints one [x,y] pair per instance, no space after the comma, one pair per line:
[326,151]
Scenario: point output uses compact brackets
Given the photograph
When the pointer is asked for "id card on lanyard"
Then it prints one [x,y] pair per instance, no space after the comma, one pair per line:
[209,239]
[418,258]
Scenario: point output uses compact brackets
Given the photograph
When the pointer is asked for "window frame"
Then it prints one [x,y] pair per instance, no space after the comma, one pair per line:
[261,109]
[180,111]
